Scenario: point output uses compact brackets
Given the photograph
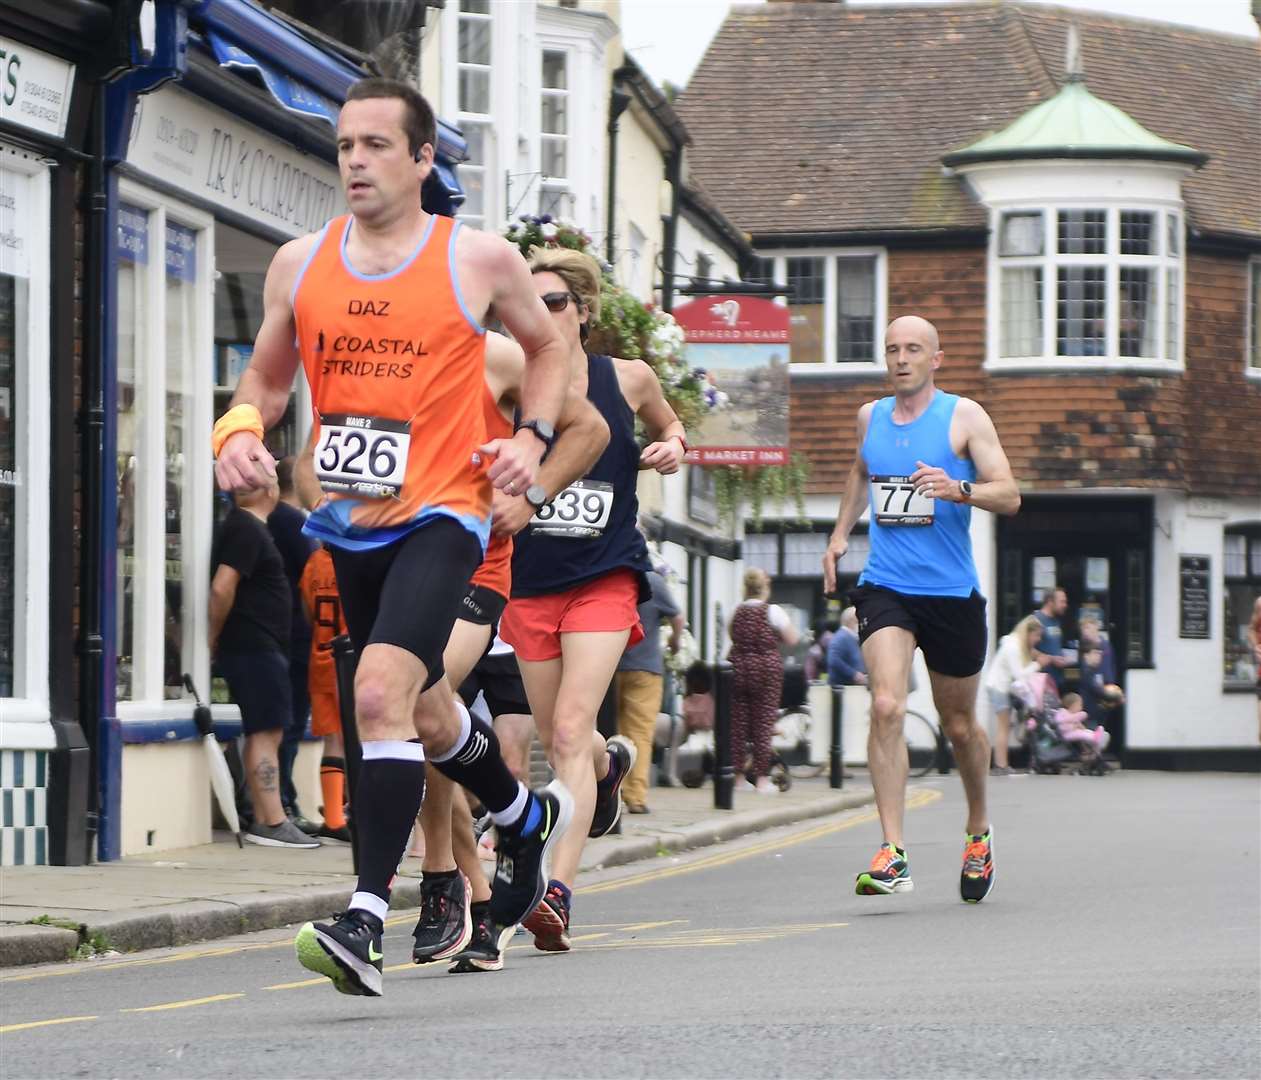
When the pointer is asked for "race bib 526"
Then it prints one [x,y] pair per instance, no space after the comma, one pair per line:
[895,501]
[362,455]
[581,510]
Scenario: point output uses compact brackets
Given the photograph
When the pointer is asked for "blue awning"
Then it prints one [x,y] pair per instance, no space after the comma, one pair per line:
[289,92]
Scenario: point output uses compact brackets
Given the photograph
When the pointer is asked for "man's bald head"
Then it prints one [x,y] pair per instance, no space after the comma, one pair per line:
[919,327]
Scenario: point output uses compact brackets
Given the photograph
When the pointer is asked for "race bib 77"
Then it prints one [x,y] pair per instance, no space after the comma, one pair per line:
[362,455]
[895,501]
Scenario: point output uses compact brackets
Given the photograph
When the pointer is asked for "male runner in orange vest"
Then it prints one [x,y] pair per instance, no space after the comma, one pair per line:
[384,308]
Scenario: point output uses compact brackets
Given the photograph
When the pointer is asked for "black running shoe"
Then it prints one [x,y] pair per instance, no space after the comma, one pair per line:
[347,950]
[549,922]
[482,953]
[521,865]
[608,795]
[444,926]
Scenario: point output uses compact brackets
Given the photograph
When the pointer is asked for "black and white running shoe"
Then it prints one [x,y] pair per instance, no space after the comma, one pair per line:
[482,953]
[608,793]
[522,862]
[347,951]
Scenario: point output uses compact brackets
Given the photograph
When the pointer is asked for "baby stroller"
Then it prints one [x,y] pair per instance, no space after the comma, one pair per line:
[1049,753]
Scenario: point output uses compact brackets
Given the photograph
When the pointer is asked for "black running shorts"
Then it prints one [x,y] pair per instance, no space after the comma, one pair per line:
[950,630]
[408,593]
[482,606]
[498,677]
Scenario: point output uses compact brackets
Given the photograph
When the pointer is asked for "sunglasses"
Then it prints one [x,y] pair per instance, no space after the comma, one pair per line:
[558,301]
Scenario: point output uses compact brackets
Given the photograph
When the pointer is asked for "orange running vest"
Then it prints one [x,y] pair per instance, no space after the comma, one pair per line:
[495,573]
[396,365]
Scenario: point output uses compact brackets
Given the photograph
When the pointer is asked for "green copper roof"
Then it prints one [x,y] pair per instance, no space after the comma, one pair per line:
[1074,124]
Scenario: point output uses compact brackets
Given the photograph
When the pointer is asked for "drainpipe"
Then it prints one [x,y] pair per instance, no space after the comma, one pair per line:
[670,228]
[99,511]
[619,101]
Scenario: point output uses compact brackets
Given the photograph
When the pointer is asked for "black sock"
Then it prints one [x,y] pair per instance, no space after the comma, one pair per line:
[438,875]
[387,800]
[479,766]
[479,909]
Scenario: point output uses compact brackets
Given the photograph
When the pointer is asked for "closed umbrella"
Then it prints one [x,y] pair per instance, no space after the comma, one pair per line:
[220,775]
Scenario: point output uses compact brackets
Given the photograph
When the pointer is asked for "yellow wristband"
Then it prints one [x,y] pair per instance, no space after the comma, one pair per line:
[237,418]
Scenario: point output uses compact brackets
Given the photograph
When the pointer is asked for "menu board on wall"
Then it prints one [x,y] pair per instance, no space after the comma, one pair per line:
[1193,596]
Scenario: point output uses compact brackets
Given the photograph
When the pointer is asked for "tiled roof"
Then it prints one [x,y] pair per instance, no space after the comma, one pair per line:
[817,118]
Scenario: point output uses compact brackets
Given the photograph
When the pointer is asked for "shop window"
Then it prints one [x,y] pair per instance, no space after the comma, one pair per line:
[702,495]
[761,550]
[1110,279]
[836,303]
[1242,572]
[163,459]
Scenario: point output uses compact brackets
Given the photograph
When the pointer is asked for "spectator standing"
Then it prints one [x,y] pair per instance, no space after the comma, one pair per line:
[250,621]
[1054,604]
[285,525]
[1014,661]
[757,629]
[845,656]
[640,680]
[322,604]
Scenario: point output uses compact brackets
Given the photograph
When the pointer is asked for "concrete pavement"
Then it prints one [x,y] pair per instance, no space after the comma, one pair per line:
[51,913]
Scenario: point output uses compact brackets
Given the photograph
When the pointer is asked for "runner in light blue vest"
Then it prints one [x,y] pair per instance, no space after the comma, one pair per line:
[924,459]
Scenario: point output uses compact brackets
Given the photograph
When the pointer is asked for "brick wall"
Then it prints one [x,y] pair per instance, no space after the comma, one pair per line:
[1066,431]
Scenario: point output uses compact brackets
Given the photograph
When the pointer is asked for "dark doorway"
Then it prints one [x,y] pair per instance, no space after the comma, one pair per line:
[1099,551]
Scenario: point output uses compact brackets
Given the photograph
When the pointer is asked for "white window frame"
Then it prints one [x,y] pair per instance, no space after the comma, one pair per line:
[832,367]
[1050,261]
[148,633]
[557,185]
[486,169]
[1252,317]
[26,717]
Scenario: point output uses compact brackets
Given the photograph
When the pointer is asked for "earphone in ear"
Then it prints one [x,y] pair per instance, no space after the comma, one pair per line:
[420,153]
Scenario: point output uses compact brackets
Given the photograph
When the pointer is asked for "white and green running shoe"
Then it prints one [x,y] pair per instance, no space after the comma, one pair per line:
[347,951]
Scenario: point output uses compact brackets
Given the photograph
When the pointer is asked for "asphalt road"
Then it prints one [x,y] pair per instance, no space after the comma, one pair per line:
[1122,939]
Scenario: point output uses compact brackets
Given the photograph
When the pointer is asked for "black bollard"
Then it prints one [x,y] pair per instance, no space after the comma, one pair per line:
[836,756]
[724,772]
[346,661]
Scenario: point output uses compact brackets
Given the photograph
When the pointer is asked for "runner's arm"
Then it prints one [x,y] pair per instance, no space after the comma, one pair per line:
[995,488]
[310,494]
[642,390]
[581,436]
[222,597]
[243,463]
[546,375]
[852,505]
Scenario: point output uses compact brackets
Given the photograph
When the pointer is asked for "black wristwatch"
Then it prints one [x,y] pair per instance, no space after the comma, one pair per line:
[542,429]
[965,489]
[536,496]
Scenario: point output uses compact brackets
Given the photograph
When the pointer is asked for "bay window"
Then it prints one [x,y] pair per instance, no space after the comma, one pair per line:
[1072,283]
[473,63]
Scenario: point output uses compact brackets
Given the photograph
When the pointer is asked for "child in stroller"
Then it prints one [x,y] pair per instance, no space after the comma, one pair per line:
[1055,732]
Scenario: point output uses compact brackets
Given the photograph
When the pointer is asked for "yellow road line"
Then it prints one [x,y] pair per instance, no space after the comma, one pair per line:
[184,1004]
[589,937]
[915,799]
[46,1023]
[317,981]
[653,925]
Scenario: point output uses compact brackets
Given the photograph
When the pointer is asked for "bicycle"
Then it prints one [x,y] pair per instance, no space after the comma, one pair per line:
[924,743]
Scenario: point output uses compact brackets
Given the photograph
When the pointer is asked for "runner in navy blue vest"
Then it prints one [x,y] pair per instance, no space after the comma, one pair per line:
[579,572]
[925,458]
